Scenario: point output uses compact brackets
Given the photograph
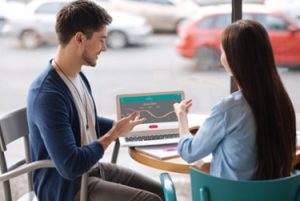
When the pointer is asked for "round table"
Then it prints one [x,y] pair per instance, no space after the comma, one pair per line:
[177,164]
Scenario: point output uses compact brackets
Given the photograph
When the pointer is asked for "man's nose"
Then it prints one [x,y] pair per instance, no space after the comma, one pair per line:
[104,47]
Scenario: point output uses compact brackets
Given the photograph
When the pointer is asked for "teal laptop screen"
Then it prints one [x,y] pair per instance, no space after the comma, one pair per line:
[155,108]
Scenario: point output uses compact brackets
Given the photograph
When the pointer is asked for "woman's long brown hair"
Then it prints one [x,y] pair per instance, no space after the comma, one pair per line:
[250,57]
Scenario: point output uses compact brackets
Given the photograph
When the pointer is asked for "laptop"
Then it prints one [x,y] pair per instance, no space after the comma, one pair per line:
[161,125]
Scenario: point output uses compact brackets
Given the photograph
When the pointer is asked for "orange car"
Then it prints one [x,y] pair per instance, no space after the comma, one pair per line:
[200,37]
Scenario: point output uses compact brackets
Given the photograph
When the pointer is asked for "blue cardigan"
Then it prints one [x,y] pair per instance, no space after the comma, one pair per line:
[54,132]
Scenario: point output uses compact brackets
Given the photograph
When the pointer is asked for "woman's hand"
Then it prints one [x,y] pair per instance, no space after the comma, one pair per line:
[181,109]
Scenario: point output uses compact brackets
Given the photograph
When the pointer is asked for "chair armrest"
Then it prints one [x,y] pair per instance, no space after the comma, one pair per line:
[84,187]
[168,187]
[16,165]
[28,167]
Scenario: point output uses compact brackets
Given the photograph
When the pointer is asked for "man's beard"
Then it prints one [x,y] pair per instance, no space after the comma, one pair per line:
[88,60]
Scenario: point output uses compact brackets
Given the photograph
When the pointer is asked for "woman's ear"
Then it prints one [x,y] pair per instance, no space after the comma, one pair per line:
[224,61]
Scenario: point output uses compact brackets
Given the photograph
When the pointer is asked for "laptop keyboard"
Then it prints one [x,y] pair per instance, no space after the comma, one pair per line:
[151,137]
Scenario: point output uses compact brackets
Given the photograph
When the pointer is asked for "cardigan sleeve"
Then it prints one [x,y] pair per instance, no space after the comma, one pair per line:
[53,117]
[104,125]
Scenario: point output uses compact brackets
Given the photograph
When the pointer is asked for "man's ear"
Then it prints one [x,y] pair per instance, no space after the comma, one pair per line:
[80,38]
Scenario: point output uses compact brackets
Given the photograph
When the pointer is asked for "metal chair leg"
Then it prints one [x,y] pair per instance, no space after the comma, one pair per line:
[116,151]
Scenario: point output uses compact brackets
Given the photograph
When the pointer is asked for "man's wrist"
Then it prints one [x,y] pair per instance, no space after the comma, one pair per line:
[107,139]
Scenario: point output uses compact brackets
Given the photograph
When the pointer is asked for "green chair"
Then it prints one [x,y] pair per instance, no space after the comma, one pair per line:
[210,188]
[168,187]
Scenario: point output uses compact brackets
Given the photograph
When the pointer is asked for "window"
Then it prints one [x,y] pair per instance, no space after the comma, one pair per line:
[216,21]
[206,23]
[272,22]
[222,21]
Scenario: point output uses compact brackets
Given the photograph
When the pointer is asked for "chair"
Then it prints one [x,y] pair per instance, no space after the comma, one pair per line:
[168,187]
[210,188]
[13,126]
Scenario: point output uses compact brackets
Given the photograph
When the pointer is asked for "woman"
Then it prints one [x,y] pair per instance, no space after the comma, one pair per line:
[252,133]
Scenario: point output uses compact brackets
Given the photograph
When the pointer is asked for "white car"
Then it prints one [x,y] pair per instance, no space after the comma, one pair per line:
[2,20]
[35,25]
[6,8]
[163,15]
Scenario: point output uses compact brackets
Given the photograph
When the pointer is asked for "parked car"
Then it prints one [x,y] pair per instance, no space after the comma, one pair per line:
[36,25]
[200,37]
[163,15]
[2,21]
[6,7]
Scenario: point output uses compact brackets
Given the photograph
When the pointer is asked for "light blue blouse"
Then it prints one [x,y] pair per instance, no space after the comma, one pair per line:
[229,134]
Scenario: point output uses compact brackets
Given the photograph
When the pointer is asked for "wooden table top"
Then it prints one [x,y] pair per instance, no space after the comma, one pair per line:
[176,164]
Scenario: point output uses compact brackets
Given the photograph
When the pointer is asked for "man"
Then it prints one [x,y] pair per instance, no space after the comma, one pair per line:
[63,123]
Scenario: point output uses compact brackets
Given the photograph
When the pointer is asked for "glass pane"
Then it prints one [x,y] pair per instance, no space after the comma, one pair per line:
[180,53]
[49,8]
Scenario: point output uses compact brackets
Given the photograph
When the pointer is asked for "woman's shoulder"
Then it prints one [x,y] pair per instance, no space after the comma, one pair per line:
[231,102]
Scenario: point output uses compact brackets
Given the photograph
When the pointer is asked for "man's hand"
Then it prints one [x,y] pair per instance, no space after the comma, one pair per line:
[121,128]
[126,124]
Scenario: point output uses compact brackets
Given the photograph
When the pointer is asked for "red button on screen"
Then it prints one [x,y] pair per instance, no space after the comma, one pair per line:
[153,126]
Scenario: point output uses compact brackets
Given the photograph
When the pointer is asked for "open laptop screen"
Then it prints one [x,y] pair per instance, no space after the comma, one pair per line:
[157,108]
